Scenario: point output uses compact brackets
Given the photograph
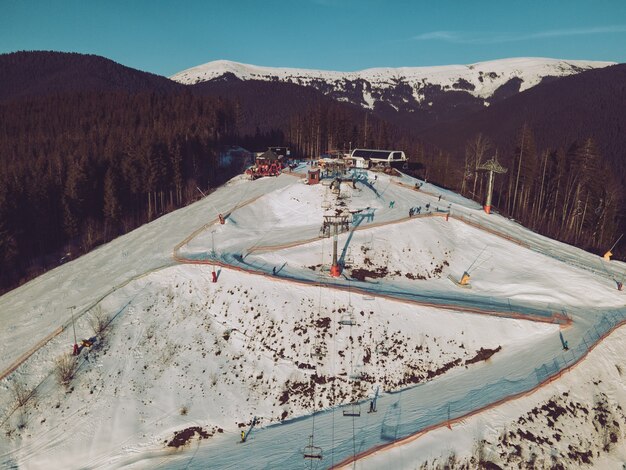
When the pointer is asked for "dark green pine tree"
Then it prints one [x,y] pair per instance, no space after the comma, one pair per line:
[112,206]
[75,197]
[8,244]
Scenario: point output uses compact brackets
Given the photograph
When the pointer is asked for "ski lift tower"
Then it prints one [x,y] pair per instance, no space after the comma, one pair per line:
[340,224]
[492,166]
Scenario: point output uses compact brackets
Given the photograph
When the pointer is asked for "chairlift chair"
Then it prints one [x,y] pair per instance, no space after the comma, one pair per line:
[353,409]
[311,451]
[347,319]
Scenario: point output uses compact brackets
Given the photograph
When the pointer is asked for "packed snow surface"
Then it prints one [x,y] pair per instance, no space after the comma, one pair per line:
[277,338]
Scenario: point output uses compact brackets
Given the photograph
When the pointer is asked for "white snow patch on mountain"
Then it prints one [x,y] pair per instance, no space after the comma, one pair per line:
[481,79]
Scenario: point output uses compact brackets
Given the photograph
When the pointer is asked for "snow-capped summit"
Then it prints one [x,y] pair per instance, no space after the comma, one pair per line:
[406,87]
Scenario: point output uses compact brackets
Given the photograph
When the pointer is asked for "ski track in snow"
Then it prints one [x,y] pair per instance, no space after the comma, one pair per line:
[270,210]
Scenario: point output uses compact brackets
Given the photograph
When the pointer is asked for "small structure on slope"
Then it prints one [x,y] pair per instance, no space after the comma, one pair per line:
[465,278]
[266,164]
[368,158]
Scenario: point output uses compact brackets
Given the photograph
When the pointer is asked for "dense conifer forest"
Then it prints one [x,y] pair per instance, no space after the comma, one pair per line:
[82,164]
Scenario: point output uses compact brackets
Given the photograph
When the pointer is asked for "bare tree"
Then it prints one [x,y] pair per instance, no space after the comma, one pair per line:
[98,320]
[65,367]
[476,151]
[21,394]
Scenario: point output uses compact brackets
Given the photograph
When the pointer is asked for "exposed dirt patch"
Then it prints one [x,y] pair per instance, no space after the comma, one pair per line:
[482,355]
[323,323]
[361,273]
[181,438]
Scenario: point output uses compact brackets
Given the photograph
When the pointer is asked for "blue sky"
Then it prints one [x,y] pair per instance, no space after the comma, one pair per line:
[165,37]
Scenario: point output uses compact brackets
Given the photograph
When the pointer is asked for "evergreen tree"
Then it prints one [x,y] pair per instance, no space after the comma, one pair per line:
[112,207]
[75,197]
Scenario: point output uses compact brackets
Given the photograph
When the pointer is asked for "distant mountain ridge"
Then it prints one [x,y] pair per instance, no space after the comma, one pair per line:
[40,73]
[408,89]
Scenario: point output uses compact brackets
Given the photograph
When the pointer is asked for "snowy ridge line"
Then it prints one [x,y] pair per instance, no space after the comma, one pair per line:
[481,79]
[20,360]
[549,379]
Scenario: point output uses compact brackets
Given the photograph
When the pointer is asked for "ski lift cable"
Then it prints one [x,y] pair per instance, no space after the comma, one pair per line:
[476,259]
[385,190]
[312,381]
[616,242]
[479,265]
[353,398]
[332,387]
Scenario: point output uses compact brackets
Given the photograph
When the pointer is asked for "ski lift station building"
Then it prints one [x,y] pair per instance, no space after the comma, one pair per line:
[368,158]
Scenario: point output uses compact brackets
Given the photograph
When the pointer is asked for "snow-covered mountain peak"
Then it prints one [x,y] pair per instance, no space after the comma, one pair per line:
[407,88]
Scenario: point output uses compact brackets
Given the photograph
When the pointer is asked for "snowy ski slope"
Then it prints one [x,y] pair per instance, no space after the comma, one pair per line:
[182,351]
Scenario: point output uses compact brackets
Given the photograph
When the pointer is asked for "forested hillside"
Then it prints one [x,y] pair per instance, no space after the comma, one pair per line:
[93,149]
[40,73]
[78,168]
